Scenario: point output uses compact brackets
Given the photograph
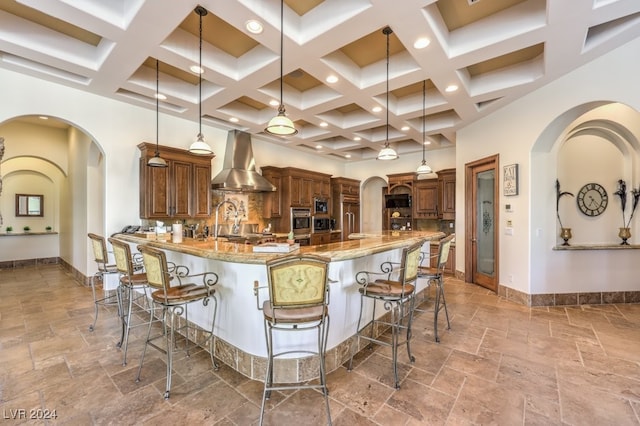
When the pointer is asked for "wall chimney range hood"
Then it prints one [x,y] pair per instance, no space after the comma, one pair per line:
[239,167]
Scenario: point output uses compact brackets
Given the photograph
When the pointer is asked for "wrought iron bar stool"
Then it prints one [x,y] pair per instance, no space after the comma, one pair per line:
[298,301]
[133,288]
[435,276]
[105,269]
[397,297]
[174,302]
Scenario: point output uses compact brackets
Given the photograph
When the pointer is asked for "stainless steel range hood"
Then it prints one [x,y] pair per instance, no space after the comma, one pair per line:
[239,167]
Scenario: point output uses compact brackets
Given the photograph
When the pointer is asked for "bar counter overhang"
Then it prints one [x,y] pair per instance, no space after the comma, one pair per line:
[239,331]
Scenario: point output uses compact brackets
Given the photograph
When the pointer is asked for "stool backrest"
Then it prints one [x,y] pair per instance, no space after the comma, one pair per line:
[156,267]
[443,251]
[298,281]
[410,262]
[100,253]
[122,254]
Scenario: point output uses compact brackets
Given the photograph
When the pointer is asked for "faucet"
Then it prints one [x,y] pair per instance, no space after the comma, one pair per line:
[236,226]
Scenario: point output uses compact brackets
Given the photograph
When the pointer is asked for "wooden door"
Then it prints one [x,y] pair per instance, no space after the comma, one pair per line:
[481,233]
[181,181]
[202,190]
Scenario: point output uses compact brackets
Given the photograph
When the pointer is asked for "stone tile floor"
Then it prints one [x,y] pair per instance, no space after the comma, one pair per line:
[501,363]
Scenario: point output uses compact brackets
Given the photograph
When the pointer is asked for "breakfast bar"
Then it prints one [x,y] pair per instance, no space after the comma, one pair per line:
[239,325]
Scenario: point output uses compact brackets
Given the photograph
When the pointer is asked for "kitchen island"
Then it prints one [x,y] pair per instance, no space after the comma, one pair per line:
[239,328]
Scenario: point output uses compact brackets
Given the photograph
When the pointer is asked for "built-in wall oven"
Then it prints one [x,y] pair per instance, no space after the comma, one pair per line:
[300,221]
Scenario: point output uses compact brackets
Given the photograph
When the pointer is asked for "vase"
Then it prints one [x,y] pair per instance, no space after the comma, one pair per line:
[565,234]
[625,234]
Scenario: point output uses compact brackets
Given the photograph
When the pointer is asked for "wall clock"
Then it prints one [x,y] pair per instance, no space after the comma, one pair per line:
[592,199]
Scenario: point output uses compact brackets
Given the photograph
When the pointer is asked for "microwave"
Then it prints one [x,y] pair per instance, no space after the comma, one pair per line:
[321,224]
[320,206]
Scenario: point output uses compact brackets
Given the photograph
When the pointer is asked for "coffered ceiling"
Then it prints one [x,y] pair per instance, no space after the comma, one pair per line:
[493,51]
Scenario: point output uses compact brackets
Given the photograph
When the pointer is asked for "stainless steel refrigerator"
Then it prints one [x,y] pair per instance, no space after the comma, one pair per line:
[349,214]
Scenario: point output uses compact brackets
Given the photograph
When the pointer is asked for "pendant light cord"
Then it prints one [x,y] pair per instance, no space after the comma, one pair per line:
[200,82]
[424,108]
[281,108]
[387,31]
[157,105]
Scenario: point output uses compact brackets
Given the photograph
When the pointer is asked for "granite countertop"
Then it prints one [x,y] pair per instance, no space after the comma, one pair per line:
[366,244]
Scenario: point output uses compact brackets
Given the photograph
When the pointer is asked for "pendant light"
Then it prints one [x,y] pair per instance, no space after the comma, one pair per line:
[281,125]
[423,169]
[156,160]
[200,147]
[387,153]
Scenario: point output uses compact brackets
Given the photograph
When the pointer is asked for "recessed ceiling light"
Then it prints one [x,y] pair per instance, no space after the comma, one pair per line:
[451,88]
[233,120]
[274,102]
[323,124]
[332,79]
[357,138]
[43,117]
[196,69]
[347,156]
[376,109]
[253,26]
[318,146]
[161,96]
[404,128]
[421,43]
[427,142]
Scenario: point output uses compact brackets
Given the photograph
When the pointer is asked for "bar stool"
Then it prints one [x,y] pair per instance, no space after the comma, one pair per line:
[105,269]
[133,288]
[435,276]
[396,296]
[298,301]
[174,302]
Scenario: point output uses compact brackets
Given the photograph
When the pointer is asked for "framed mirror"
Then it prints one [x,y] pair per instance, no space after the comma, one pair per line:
[29,205]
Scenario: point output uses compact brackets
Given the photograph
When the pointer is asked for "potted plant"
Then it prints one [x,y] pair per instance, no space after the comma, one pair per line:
[625,232]
[9,229]
[565,233]
[26,229]
[48,229]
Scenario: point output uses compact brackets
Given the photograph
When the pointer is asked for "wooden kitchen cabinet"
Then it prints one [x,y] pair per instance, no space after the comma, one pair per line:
[322,188]
[447,188]
[181,190]
[347,186]
[272,207]
[320,238]
[301,190]
[425,199]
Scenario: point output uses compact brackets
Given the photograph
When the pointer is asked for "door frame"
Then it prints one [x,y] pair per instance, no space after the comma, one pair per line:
[483,164]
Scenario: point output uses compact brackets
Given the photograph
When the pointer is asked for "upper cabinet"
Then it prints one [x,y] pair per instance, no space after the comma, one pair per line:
[272,207]
[345,186]
[426,199]
[181,190]
[447,188]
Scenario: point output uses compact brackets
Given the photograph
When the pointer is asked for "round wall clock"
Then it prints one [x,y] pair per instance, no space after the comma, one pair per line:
[592,199]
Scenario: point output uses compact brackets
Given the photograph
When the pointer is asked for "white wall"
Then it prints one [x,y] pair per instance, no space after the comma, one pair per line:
[530,132]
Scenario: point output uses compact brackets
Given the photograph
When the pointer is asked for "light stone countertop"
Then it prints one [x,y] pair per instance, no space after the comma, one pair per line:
[243,253]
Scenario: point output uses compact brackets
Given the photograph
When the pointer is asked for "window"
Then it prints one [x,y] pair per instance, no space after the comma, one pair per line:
[29,205]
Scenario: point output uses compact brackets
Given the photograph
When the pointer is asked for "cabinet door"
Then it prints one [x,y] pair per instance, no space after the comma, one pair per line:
[182,186]
[449,198]
[296,191]
[320,239]
[202,190]
[306,192]
[154,191]
[426,198]
[273,200]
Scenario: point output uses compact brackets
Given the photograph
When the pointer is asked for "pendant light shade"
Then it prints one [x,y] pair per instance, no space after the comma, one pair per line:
[387,153]
[200,147]
[423,169]
[281,125]
[156,160]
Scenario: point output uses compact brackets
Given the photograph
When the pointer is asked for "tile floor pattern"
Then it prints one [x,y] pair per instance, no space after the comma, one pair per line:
[501,363]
